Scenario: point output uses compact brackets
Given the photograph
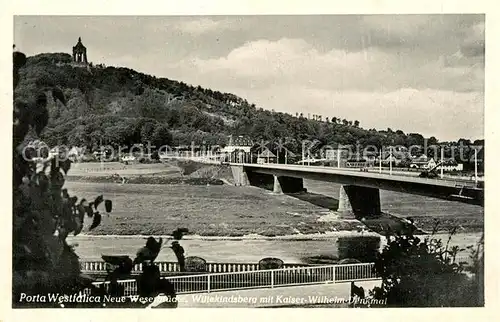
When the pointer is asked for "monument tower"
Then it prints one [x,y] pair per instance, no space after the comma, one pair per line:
[80,52]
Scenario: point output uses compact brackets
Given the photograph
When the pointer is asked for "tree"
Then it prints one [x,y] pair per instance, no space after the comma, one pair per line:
[161,136]
[147,130]
[478,142]
[465,142]
[415,139]
[44,213]
[356,123]
[432,141]
[423,273]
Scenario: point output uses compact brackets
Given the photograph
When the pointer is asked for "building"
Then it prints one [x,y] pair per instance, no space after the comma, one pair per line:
[336,157]
[266,156]
[398,148]
[370,156]
[80,52]
[336,154]
[450,165]
[423,162]
[75,153]
[396,158]
[480,155]
[357,161]
[128,159]
[239,143]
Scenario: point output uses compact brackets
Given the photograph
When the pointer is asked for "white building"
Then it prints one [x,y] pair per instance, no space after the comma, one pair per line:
[423,162]
[450,165]
[239,143]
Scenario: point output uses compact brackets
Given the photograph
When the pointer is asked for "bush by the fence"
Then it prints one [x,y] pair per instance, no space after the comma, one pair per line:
[362,248]
[270,263]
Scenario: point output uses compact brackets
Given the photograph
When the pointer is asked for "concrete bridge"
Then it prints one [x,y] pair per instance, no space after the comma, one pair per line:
[360,194]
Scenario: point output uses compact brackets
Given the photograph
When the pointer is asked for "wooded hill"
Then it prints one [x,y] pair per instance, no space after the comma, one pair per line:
[119,106]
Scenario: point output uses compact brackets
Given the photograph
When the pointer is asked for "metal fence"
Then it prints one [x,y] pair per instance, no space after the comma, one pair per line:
[205,283]
[99,267]
[90,267]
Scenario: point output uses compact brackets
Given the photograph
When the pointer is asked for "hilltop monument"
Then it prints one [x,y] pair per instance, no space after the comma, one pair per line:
[80,52]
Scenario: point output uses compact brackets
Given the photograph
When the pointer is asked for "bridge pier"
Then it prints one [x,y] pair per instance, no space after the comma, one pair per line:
[239,176]
[345,208]
[277,185]
[357,202]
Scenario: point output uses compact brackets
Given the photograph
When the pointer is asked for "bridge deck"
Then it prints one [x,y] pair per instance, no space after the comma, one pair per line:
[460,190]
[407,178]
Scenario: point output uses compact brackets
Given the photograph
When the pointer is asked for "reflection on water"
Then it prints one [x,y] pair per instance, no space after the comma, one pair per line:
[362,248]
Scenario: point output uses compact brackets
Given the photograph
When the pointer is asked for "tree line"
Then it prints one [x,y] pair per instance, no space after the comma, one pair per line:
[121,106]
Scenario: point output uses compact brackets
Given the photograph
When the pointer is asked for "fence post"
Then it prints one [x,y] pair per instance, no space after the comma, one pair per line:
[334,275]
[208,283]
[272,278]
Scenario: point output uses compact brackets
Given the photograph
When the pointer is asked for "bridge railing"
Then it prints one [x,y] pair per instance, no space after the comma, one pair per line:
[205,283]
[171,267]
[213,267]
[306,275]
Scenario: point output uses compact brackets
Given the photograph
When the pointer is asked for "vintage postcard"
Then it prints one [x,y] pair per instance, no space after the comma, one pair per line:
[248,161]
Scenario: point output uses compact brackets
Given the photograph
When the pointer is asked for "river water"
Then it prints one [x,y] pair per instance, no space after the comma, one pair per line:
[229,250]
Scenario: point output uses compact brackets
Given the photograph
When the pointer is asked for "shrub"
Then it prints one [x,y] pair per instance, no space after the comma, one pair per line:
[189,166]
[44,213]
[424,273]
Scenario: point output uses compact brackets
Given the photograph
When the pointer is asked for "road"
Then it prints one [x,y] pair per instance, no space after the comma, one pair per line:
[396,172]
[400,176]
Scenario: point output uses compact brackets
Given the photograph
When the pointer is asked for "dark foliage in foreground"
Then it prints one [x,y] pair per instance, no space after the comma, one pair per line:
[44,213]
[424,273]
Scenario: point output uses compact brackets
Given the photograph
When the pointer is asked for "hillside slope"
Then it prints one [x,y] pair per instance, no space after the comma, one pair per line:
[119,106]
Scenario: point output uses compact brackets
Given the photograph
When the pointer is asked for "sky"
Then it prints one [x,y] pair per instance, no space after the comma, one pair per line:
[418,73]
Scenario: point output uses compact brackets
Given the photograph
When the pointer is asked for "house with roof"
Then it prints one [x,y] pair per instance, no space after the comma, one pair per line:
[423,162]
[396,148]
[396,158]
[266,156]
[358,162]
[450,165]
[76,153]
[238,149]
[335,154]
[370,156]
[238,143]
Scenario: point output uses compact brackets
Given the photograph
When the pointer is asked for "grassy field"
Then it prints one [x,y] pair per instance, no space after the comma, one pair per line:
[205,210]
